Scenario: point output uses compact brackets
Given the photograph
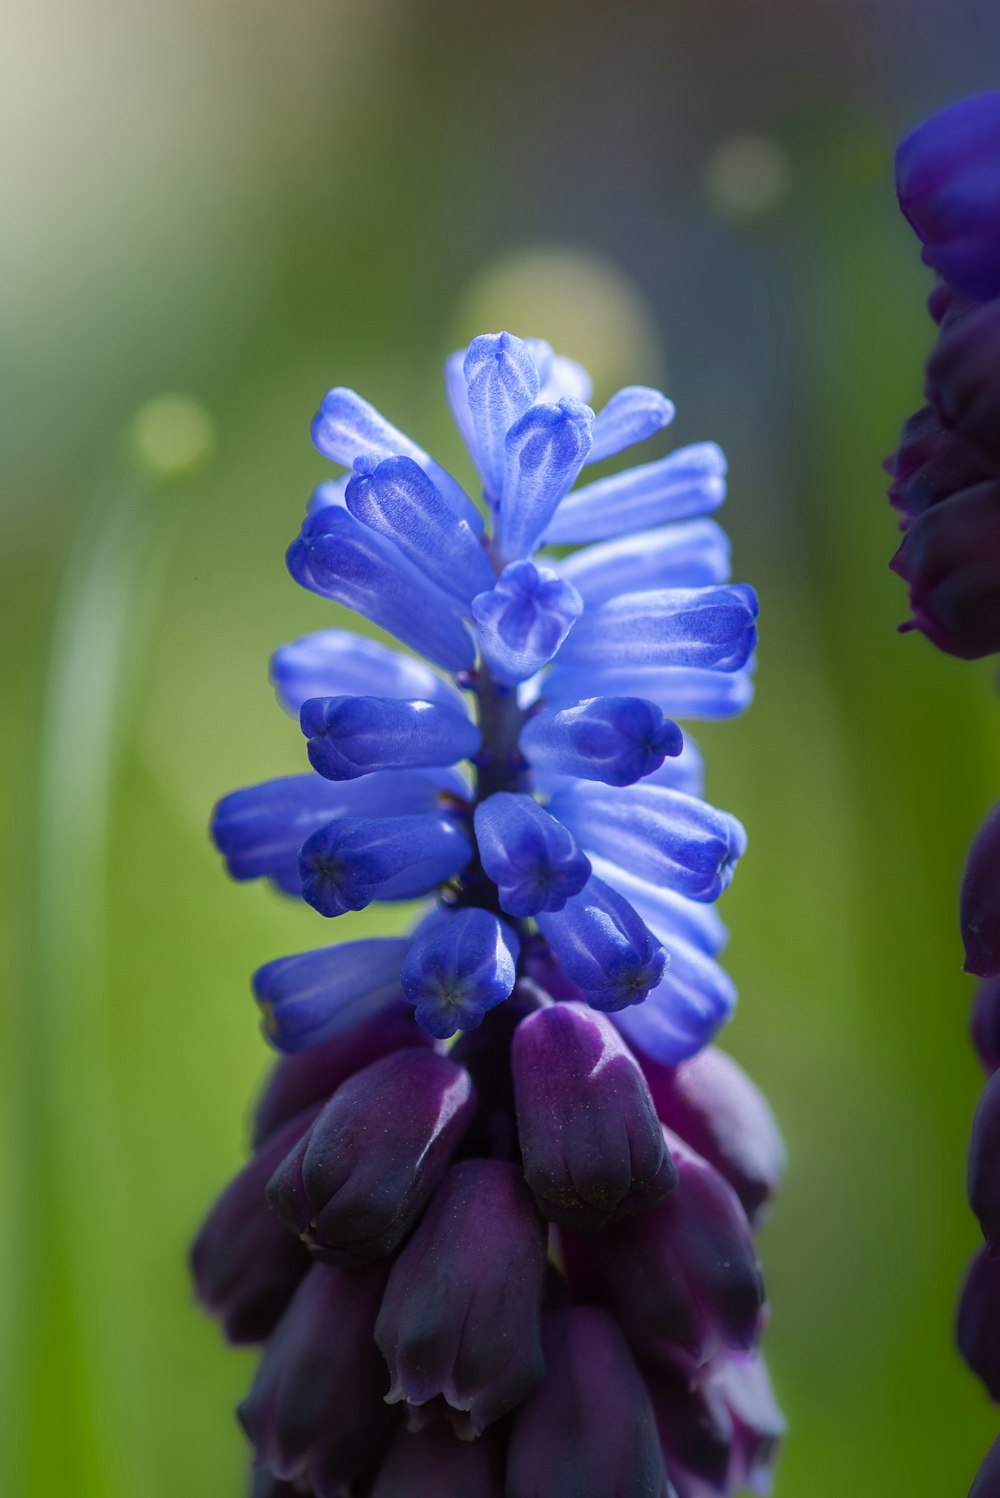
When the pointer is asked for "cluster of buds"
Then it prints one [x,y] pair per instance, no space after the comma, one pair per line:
[946,483]
[496,1237]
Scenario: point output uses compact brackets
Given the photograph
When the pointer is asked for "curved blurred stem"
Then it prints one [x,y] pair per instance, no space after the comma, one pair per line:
[77,1402]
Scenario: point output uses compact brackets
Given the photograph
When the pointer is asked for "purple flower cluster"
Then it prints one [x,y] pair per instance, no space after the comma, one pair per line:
[946,483]
[496,1234]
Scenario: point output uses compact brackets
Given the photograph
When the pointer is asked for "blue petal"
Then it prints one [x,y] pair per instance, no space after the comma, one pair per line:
[339,558]
[617,740]
[459,969]
[309,998]
[688,482]
[502,383]
[693,554]
[337,663]
[661,835]
[330,492]
[630,416]
[684,1011]
[544,453]
[523,620]
[667,914]
[354,736]
[531,858]
[260,829]
[397,499]
[345,427]
[681,691]
[705,628]
[354,860]
[603,947]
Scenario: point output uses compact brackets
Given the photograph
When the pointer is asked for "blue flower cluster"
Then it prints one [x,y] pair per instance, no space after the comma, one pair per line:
[523,1081]
[946,483]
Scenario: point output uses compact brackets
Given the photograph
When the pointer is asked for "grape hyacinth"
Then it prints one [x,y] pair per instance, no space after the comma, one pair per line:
[495,1237]
[946,484]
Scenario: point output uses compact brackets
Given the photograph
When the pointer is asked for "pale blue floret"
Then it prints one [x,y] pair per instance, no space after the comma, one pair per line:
[338,663]
[396,498]
[617,740]
[458,969]
[630,416]
[604,947]
[522,622]
[704,628]
[353,736]
[659,834]
[543,454]
[530,857]
[501,384]
[354,860]
[309,998]
[340,558]
[681,486]
[691,554]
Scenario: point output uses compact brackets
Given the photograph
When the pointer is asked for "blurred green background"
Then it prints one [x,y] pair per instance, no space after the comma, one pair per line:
[247,203]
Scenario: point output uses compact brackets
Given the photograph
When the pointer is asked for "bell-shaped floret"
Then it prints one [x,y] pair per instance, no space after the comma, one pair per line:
[354,736]
[523,620]
[346,427]
[588,1430]
[338,663]
[543,454]
[339,558]
[630,416]
[501,384]
[458,969]
[592,1145]
[661,835]
[311,997]
[461,1314]
[603,947]
[396,498]
[705,628]
[949,559]
[355,860]
[617,740]
[531,858]
[681,486]
[357,1182]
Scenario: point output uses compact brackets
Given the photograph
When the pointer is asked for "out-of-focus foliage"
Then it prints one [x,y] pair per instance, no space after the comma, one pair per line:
[248,203]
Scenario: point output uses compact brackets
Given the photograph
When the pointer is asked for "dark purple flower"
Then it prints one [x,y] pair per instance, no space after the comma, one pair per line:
[431,1463]
[315,1413]
[720,1431]
[930,464]
[984,1164]
[357,1182]
[592,1145]
[588,1430]
[716,1109]
[986,1023]
[950,559]
[963,380]
[460,1316]
[246,1264]
[949,190]
[978,1329]
[980,903]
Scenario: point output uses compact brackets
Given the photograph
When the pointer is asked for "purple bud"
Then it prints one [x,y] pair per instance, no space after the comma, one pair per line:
[930,464]
[978,1329]
[980,902]
[315,1413]
[463,966]
[461,1312]
[592,1146]
[588,1430]
[721,1431]
[524,619]
[949,190]
[532,858]
[245,1263]
[717,1110]
[963,380]
[299,1081]
[683,1277]
[949,560]
[984,1164]
[986,1023]
[432,1464]
[987,1483]
[360,1178]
